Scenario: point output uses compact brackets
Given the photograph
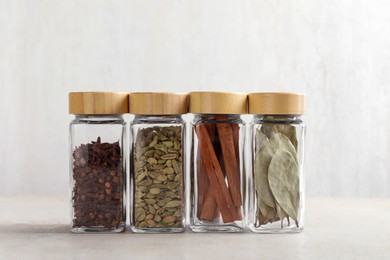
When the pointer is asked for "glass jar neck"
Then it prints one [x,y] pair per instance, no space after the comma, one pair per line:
[217,118]
[99,118]
[142,119]
[277,119]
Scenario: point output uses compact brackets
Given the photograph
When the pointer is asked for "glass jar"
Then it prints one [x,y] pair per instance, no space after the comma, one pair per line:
[276,186]
[158,162]
[97,161]
[217,179]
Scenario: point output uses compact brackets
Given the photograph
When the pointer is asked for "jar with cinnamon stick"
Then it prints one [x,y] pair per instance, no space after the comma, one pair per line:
[157,162]
[276,186]
[217,179]
[97,161]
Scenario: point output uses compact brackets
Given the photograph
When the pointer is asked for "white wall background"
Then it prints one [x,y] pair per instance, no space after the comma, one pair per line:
[337,52]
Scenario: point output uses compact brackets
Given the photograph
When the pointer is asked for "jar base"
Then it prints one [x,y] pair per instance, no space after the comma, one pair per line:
[157,230]
[275,230]
[216,228]
[101,229]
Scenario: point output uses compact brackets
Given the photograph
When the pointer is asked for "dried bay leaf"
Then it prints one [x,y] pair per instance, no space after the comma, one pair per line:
[260,220]
[264,208]
[268,129]
[281,213]
[290,132]
[286,129]
[262,161]
[261,178]
[280,142]
[260,140]
[267,213]
[284,182]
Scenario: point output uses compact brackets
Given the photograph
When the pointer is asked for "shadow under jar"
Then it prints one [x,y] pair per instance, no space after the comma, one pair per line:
[158,159]
[97,162]
[276,185]
[217,193]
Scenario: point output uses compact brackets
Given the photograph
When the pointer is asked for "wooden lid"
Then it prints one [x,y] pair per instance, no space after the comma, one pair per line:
[277,103]
[94,103]
[158,103]
[218,103]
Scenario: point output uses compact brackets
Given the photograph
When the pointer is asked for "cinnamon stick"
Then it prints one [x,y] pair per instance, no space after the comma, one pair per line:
[211,132]
[203,181]
[236,139]
[206,203]
[225,134]
[216,177]
[209,206]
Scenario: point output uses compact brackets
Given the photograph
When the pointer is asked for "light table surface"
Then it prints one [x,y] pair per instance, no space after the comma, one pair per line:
[38,228]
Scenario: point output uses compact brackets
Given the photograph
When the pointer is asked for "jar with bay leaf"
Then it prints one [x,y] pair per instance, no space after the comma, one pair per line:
[97,161]
[157,162]
[217,193]
[276,202]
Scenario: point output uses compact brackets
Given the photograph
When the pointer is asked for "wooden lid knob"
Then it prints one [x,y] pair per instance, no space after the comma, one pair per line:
[158,103]
[277,103]
[218,103]
[98,103]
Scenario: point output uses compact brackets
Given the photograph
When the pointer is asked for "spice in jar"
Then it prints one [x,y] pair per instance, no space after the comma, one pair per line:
[277,155]
[158,177]
[217,162]
[97,192]
[158,158]
[219,172]
[276,178]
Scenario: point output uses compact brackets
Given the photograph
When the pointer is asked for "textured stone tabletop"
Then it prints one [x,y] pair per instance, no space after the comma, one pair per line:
[37,228]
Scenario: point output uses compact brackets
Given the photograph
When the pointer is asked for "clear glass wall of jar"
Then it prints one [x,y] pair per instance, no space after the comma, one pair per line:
[217,169]
[97,161]
[158,162]
[276,183]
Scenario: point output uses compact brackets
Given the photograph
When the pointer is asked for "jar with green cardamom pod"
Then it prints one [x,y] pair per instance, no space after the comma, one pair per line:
[276,183]
[157,162]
